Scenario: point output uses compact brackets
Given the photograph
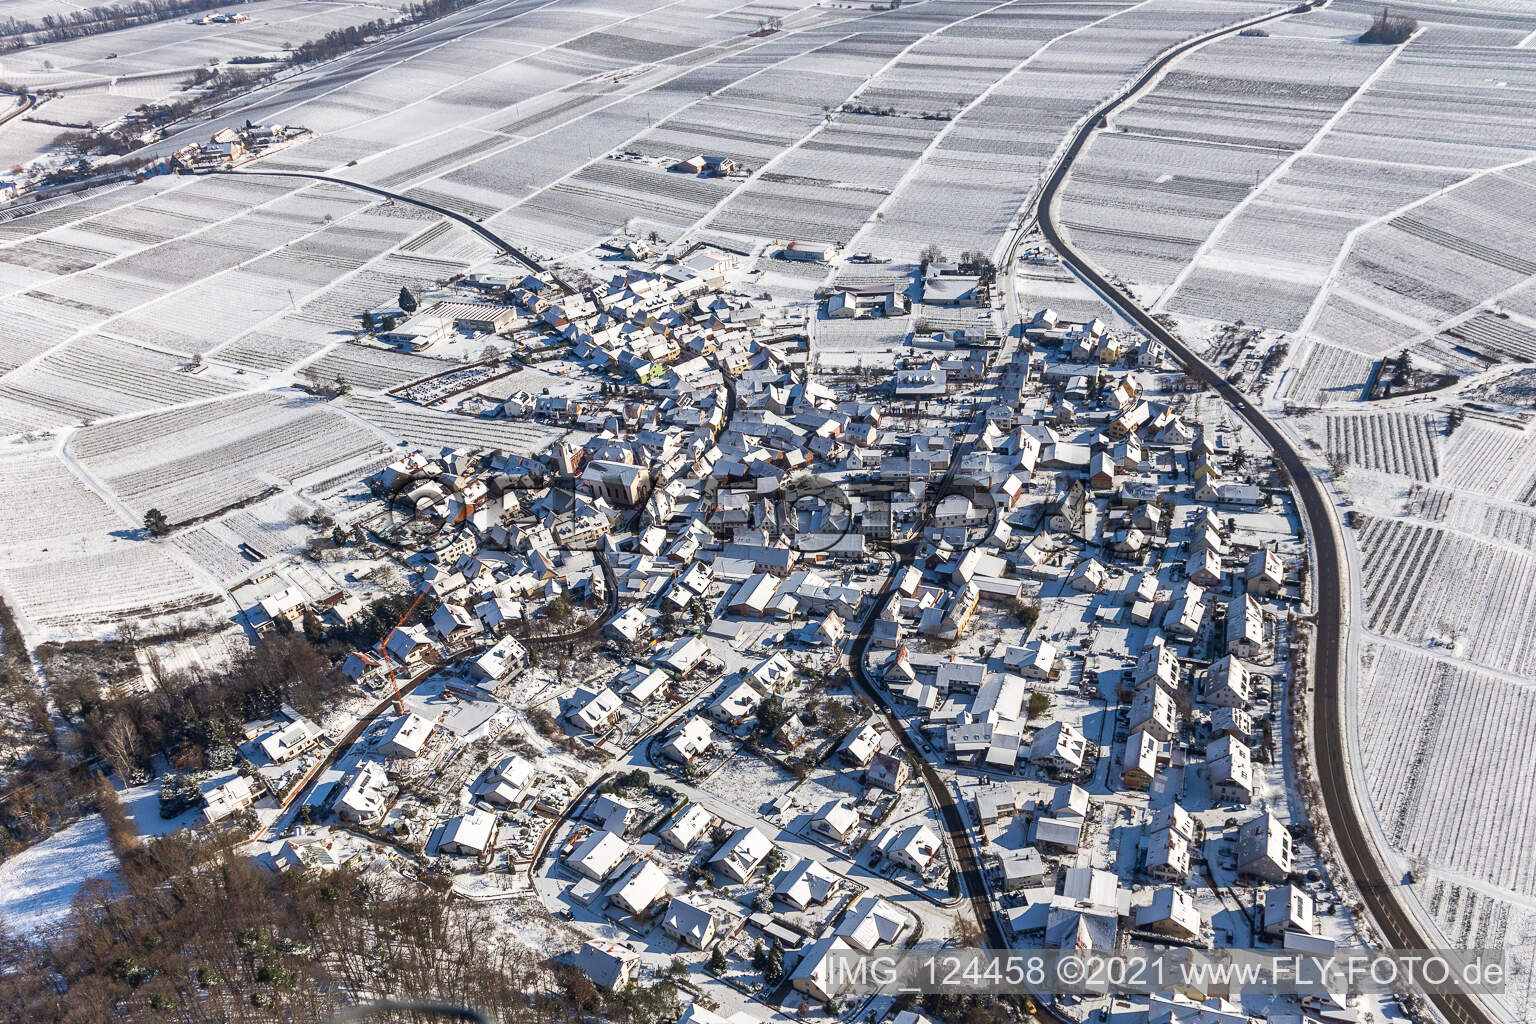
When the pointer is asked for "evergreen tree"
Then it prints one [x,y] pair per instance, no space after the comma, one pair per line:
[156,523]
[774,971]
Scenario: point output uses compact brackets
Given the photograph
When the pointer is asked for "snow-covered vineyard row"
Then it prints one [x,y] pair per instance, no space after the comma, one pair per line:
[1495,336]
[1393,442]
[68,592]
[1328,375]
[1488,459]
[197,462]
[1187,153]
[1398,558]
[47,501]
[1471,919]
[100,376]
[427,427]
[1328,231]
[1420,716]
[1424,584]
[1494,519]
[947,164]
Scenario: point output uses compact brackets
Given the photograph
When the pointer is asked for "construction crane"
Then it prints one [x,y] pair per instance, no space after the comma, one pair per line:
[384,653]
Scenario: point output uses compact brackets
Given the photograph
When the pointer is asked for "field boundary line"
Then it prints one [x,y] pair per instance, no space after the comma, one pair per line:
[822,125]
[1283,168]
[1320,300]
[933,144]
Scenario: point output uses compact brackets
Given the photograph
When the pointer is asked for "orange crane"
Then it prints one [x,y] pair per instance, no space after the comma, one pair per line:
[384,653]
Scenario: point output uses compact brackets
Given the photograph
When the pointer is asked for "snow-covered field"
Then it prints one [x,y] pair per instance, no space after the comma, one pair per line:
[37,885]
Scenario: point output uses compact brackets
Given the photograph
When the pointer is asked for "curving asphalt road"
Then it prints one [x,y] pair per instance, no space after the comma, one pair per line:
[24,103]
[473,225]
[1379,893]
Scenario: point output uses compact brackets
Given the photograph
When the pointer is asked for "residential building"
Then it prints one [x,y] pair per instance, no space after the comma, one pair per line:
[1265,849]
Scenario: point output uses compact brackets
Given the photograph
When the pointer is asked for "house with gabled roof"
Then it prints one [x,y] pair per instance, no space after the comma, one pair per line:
[598,854]
[805,884]
[871,922]
[641,890]
[742,853]
[687,827]
[1229,768]
[688,922]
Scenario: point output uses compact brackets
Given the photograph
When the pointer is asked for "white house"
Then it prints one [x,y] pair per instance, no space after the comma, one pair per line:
[682,656]
[598,854]
[1229,767]
[642,889]
[1060,747]
[470,834]
[688,923]
[691,740]
[815,976]
[287,742]
[1245,627]
[593,710]
[1228,683]
[686,827]
[501,660]
[741,854]
[916,847]
[362,798]
[735,705]
[806,884]
[871,922]
[836,820]
[1288,909]
[224,797]
[455,623]
[405,736]
[1168,856]
[861,745]
[1153,712]
[1265,849]
[1172,912]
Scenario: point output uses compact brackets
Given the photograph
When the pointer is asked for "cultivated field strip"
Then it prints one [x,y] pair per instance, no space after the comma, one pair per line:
[1457,243]
[195,462]
[47,501]
[1496,336]
[1449,751]
[1469,918]
[1508,523]
[216,551]
[1485,459]
[84,592]
[1328,374]
[1398,556]
[1423,584]
[1431,504]
[1188,151]
[375,369]
[1392,442]
[288,254]
[99,376]
[427,427]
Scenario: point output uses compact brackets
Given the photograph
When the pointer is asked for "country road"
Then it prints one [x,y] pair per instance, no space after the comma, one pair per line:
[24,103]
[1377,890]
[473,225]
